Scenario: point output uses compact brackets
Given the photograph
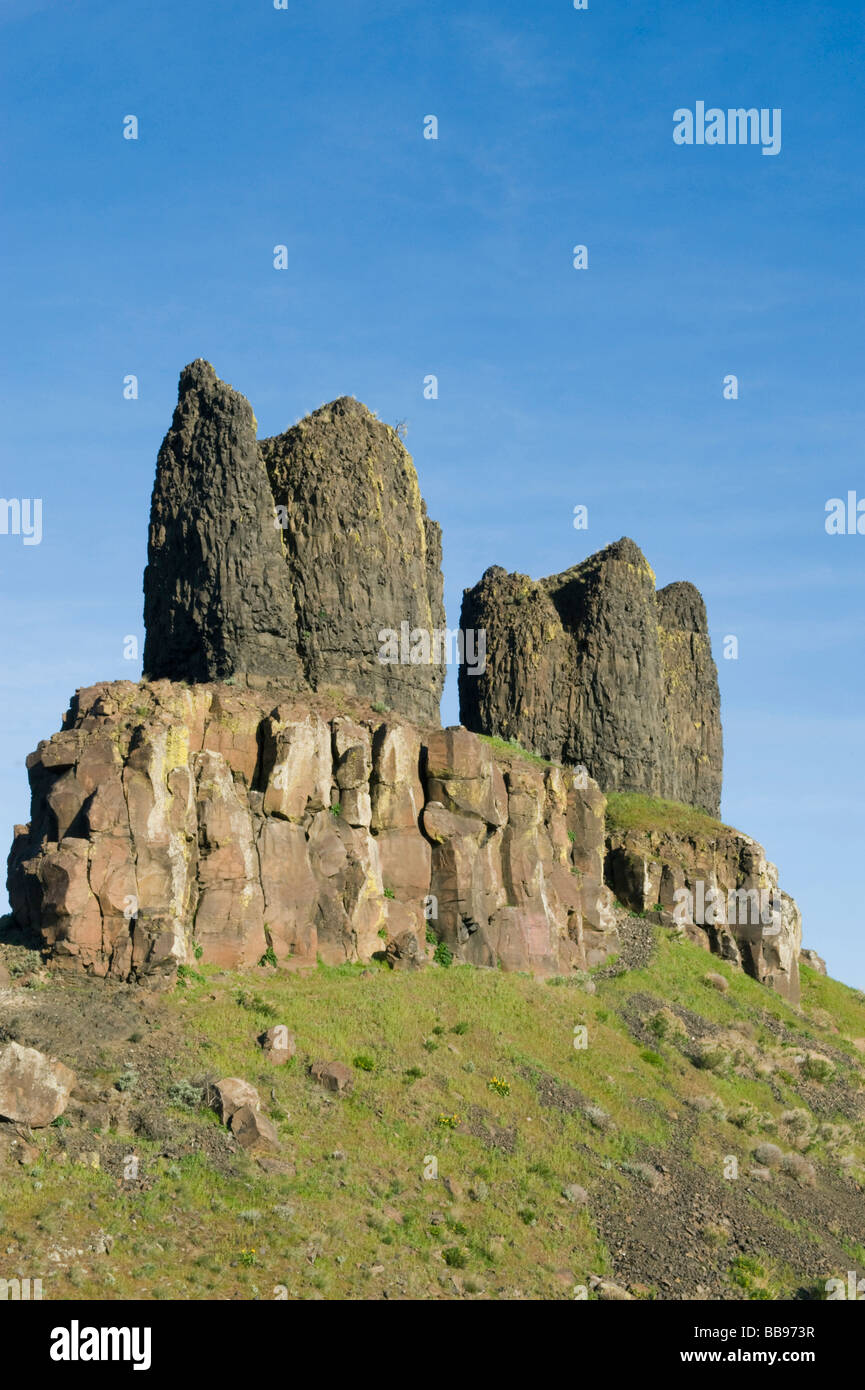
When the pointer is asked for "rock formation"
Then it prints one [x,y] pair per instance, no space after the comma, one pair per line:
[271,788]
[363,556]
[719,889]
[170,820]
[694,752]
[34,1089]
[594,667]
[285,560]
[216,593]
[811,958]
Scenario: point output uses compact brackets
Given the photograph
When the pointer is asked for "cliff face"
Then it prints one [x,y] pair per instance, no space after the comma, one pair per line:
[216,821]
[692,702]
[216,592]
[362,554]
[720,890]
[593,667]
[169,819]
[286,559]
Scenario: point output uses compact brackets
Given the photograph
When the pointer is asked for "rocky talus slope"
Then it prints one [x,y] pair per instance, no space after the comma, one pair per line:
[594,667]
[561,1172]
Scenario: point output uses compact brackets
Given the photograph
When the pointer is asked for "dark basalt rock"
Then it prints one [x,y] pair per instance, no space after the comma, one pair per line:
[217,599]
[285,560]
[691,699]
[362,554]
[593,667]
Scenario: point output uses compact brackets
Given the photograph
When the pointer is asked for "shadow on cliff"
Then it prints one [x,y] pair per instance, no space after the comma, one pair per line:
[11,934]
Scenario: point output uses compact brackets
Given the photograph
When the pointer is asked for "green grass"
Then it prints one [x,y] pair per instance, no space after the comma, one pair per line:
[633,811]
[749,1274]
[844,1005]
[510,747]
[355,1196]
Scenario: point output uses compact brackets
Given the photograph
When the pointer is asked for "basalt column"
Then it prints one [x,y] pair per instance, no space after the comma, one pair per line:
[291,559]
[217,598]
[363,556]
[593,667]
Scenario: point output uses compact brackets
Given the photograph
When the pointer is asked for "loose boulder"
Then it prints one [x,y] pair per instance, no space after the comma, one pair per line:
[404,953]
[278,1044]
[252,1130]
[334,1076]
[230,1095]
[34,1089]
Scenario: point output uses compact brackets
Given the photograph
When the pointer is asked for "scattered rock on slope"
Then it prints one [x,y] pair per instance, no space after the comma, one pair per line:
[34,1089]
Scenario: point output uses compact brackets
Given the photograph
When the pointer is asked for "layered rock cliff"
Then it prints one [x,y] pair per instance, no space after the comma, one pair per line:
[719,888]
[287,559]
[594,667]
[171,823]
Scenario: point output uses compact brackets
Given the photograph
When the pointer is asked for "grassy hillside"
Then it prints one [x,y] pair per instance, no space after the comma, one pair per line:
[476,1070]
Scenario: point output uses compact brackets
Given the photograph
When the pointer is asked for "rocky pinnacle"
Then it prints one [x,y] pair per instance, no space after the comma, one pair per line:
[287,559]
[216,595]
[594,667]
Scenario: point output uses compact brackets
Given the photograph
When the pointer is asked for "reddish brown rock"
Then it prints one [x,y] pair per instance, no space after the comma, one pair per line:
[396,787]
[719,888]
[34,1089]
[334,1076]
[254,1131]
[404,952]
[231,1094]
[227,822]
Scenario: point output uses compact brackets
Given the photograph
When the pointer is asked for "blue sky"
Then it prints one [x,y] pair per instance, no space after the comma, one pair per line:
[408,256]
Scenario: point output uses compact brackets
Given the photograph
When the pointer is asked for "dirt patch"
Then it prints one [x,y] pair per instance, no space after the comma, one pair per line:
[481,1125]
[123,1045]
[555,1095]
[681,1237]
